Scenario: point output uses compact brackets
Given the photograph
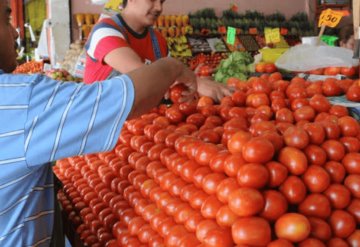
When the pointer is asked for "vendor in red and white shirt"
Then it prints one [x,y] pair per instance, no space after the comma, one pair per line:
[125,42]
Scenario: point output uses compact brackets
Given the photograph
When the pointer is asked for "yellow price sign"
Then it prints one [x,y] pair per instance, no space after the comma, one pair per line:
[272,35]
[113,5]
[330,18]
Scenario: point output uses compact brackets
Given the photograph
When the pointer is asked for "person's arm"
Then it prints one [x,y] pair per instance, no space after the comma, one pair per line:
[152,81]
[213,89]
[123,59]
[67,119]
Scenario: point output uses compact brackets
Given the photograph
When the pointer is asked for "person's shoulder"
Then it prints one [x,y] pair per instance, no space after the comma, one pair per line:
[105,22]
[159,36]
[19,78]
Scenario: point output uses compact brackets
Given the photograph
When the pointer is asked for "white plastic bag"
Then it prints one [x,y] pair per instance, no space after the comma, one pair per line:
[307,57]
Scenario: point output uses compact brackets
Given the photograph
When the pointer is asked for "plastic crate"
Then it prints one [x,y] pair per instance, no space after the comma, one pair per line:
[270,55]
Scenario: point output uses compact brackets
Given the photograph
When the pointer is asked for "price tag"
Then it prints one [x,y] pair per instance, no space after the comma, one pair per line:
[231,32]
[113,5]
[330,18]
[272,35]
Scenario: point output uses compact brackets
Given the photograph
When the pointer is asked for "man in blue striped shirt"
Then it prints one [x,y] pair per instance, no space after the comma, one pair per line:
[43,120]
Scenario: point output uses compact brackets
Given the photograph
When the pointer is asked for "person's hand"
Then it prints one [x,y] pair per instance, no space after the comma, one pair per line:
[213,89]
[188,78]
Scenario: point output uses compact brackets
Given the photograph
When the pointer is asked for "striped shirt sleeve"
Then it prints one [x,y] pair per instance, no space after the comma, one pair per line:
[67,119]
[104,38]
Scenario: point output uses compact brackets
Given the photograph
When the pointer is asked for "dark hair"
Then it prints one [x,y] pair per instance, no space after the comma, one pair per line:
[124,3]
[346,32]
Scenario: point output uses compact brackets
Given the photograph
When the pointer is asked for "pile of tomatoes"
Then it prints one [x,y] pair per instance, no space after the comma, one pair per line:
[211,59]
[346,71]
[273,165]
[263,67]
[31,67]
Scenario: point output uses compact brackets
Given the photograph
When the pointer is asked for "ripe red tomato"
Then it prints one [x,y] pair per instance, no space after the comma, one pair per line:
[278,173]
[349,126]
[316,155]
[316,133]
[316,179]
[239,98]
[317,205]
[293,227]
[174,236]
[232,164]
[284,115]
[311,242]
[219,238]
[337,242]
[293,189]
[320,103]
[254,231]
[351,163]
[352,182]
[253,175]
[210,207]
[193,221]
[275,205]
[296,137]
[211,181]
[354,238]
[305,113]
[246,202]
[339,196]
[205,153]
[270,68]
[330,87]
[280,243]
[176,92]
[237,141]
[320,229]
[334,149]
[188,240]
[294,159]
[258,150]
[348,71]
[332,70]
[342,223]
[353,93]
[352,144]
[225,217]
[204,227]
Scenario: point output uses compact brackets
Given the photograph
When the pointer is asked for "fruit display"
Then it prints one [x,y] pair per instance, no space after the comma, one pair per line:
[237,65]
[199,44]
[249,43]
[60,75]
[175,28]
[31,67]
[275,164]
[263,67]
[72,56]
[205,22]
[173,25]
[212,60]
[178,46]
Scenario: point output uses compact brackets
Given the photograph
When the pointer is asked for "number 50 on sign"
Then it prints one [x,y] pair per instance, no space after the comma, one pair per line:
[329,18]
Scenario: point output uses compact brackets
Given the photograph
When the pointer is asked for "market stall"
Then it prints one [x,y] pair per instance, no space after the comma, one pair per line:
[276,163]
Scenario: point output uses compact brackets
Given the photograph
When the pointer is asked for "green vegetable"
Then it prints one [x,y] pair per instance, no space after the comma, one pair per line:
[236,65]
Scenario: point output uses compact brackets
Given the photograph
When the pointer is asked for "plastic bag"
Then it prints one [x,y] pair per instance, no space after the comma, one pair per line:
[307,57]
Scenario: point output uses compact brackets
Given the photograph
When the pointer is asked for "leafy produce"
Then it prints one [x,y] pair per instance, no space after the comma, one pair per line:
[236,65]
[272,165]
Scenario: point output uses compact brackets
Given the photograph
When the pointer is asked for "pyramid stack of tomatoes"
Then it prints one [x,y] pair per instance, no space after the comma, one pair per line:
[273,165]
